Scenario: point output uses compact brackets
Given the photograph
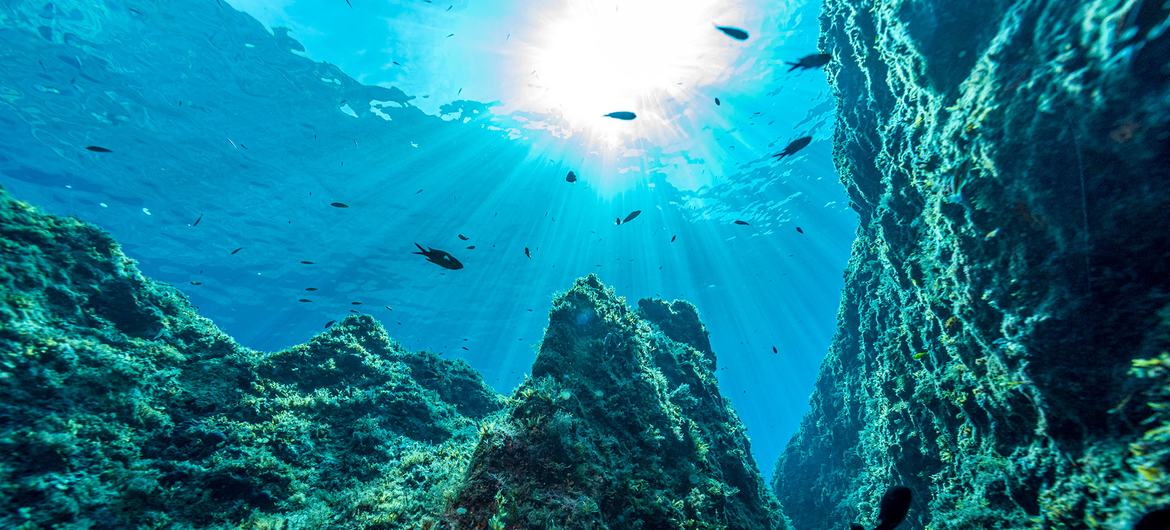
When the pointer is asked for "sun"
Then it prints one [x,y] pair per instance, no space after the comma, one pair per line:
[591,57]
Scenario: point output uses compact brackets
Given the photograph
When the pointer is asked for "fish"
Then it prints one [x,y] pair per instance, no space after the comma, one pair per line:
[470,247]
[733,32]
[624,115]
[388,308]
[799,229]
[741,222]
[439,257]
[717,102]
[633,215]
[464,347]
[98,149]
[339,205]
[304,300]
[310,289]
[330,323]
[355,303]
[794,146]
[571,177]
[463,237]
[774,350]
[527,253]
[196,282]
[674,237]
[893,508]
[809,62]
[237,250]
[617,220]
[197,220]
[354,311]
[306,262]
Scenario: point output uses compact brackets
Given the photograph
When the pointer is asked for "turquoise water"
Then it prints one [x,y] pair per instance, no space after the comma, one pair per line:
[219,115]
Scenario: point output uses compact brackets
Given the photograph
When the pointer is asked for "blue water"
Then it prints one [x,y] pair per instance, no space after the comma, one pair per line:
[215,115]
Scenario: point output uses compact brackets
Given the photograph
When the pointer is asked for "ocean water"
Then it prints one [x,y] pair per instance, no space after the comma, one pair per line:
[235,125]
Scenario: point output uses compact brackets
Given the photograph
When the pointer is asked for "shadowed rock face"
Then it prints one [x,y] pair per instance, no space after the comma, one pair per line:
[123,408]
[1006,311]
[621,426]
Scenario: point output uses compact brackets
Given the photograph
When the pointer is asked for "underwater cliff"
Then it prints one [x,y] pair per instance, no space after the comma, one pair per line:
[1003,333]
[124,408]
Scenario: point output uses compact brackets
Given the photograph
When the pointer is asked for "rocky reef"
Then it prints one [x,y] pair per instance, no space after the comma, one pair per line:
[620,426]
[124,408]
[1005,322]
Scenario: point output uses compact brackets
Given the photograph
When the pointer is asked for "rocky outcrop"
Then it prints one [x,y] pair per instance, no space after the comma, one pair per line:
[1006,315]
[620,426]
[123,408]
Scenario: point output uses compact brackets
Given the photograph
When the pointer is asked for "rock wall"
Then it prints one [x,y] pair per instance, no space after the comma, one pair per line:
[1006,315]
[123,408]
[621,426]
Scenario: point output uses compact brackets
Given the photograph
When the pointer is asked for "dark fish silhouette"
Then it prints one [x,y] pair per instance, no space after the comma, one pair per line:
[733,32]
[237,250]
[306,262]
[304,300]
[571,177]
[674,237]
[197,220]
[633,215]
[741,222]
[894,507]
[439,257]
[330,323]
[622,115]
[464,347]
[388,308]
[310,289]
[355,303]
[809,62]
[196,282]
[463,237]
[794,146]
[717,102]
[527,253]
[617,220]
[799,229]
[339,205]
[774,350]
[98,149]
[470,247]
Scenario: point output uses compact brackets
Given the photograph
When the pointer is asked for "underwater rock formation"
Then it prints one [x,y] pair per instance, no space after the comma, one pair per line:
[620,426]
[123,408]
[1006,314]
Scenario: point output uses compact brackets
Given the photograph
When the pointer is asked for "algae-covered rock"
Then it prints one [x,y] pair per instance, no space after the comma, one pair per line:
[1004,323]
[122,408]
[620,426]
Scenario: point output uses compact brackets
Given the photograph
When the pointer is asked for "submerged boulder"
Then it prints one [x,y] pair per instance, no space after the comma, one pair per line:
[123,408]
[1006,313]
[620,426]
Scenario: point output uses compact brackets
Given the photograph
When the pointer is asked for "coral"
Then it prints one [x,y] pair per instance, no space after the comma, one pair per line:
[1003,319]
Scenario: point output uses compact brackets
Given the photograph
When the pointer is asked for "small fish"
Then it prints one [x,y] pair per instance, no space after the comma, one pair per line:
[196,282]
[717,102]
[449,35]
[621,115]
[470,247]
[98,149]
[733,32]
[617,220]
[464,347]
[633,215]
[741,222]
[310,289]
[809,62]
[527,253]
[439,257]
[339,205]
[893,508]
[354,311]
[237,250]
[330,323]
[774,350]
[674,237]
[463,237]
[794,146]
[197,220]
[304,300]
[355,303]
[799,229]
[306,262]
[388,308]
[571,177]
